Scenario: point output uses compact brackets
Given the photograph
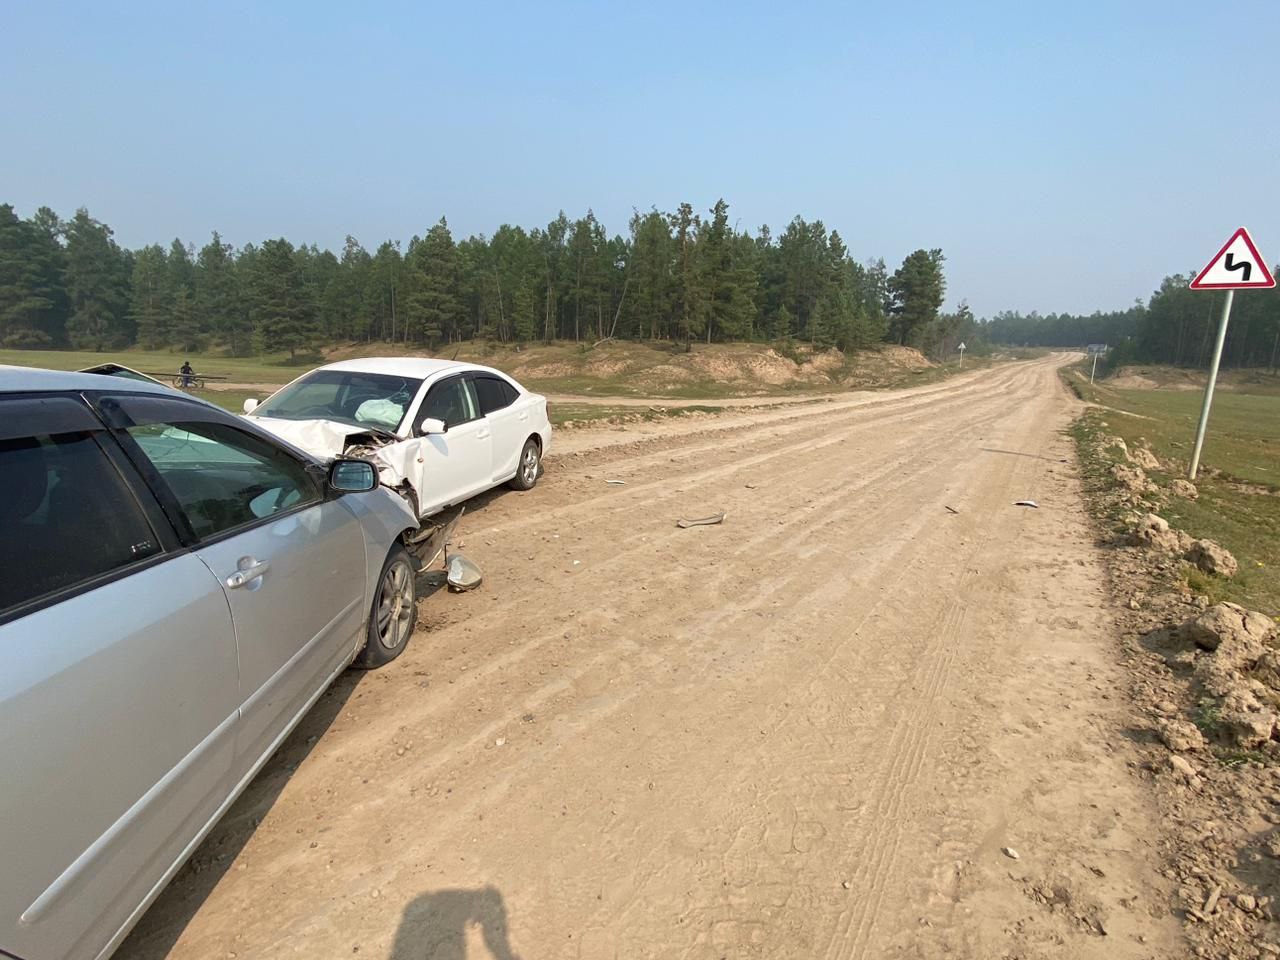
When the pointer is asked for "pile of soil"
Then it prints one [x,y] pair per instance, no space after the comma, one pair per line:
[1205,685]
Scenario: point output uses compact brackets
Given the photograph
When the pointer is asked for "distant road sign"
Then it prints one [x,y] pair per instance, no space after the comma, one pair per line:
[1237,266]
[1096,349]
[961,347]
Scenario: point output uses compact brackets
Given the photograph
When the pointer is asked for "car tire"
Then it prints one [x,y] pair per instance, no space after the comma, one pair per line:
[393,612]
[529,467]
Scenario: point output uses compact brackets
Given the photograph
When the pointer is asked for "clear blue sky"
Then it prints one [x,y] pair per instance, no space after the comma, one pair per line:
[1064,156]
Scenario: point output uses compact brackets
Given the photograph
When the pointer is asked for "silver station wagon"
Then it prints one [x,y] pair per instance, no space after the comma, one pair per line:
[177,587]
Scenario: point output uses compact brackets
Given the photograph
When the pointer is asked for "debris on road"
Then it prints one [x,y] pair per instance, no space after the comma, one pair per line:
[715,518]
[1011,853]
[1026,503]
[951,509]
[462,573]
[619,482]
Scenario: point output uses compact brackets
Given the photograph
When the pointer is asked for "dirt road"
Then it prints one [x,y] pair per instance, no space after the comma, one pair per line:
[811,731]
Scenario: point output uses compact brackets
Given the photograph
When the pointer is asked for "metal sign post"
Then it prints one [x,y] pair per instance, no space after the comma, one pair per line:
[1095,350]
[1237,266]
[961,349]
[1213,380]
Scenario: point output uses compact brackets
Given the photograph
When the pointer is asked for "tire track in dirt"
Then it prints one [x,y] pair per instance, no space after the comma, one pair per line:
[725,722]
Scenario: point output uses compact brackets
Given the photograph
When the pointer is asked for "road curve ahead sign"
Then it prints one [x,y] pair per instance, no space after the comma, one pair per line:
[1237,266]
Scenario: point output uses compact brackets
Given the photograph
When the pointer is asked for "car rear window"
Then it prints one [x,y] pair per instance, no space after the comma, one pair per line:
[67,517]
[494,394]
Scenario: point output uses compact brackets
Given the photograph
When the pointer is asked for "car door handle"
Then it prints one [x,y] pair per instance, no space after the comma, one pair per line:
[484,435]
[250,570]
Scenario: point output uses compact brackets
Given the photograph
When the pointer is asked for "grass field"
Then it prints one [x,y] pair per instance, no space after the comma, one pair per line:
[1239,481]
[272,369]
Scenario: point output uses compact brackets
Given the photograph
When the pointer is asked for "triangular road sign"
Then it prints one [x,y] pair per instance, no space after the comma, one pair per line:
[1238,265]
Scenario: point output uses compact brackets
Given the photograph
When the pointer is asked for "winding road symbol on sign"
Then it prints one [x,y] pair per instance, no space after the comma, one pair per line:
[1244,266]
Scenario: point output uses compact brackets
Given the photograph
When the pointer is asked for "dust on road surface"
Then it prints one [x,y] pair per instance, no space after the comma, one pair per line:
[811,731]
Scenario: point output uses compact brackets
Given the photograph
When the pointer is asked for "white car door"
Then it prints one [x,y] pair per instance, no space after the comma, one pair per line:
[290,559]
[458,463]
[508,421]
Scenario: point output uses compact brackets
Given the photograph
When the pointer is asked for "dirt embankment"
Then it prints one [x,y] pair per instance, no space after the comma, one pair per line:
[661,369]
[1180,378]
[876,712]
[1204,679]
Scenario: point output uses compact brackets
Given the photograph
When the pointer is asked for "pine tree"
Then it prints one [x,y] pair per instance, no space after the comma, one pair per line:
[784,324]
[151,304]
[432,303]
[688,309]
[282,318]
[917,287]
[218,300]
[97,275]
[30,283]
[653,258]
[187,333]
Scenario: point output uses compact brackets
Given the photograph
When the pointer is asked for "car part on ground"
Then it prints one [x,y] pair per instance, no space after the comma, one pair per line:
[701,521]
[462,574]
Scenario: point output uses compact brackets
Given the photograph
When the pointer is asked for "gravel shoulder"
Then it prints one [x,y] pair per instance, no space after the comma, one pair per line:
[822,728]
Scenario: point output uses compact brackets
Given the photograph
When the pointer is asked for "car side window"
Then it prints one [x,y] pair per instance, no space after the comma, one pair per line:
[67,517]
[224,478]
[493,394]
[453,401]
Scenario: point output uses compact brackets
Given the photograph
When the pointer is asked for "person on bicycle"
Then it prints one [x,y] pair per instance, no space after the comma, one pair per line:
[186,372]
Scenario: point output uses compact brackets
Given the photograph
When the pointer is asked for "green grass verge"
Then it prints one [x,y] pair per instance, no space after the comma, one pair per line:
[1239,482]
[266,369]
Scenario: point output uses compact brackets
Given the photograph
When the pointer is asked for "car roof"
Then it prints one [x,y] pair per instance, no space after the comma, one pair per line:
[421,368]
[37,379]
[418,367]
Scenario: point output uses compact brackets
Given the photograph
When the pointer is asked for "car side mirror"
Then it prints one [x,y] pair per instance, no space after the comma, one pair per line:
[352,476]
[250,404]
[432,425]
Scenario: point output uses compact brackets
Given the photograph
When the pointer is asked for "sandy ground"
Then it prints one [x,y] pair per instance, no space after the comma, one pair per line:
[808,732]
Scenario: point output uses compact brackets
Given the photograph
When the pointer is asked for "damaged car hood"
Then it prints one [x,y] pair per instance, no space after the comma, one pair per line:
[329,438]
[320,438]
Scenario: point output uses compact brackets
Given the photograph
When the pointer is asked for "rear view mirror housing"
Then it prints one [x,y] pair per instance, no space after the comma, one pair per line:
[432,425]
[352,475]
[250,404]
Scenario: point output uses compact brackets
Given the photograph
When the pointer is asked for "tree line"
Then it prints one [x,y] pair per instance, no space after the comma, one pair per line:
[1176,326]
[683,276]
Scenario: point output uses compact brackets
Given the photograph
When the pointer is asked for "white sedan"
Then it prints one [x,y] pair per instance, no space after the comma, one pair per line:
[439,431]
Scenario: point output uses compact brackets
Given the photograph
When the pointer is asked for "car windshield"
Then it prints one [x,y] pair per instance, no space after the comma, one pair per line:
[375,400]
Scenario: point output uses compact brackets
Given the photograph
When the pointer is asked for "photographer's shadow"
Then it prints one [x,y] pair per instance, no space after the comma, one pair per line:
[434,925]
